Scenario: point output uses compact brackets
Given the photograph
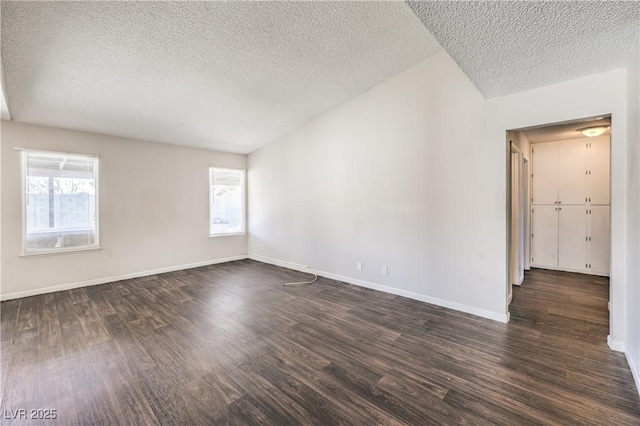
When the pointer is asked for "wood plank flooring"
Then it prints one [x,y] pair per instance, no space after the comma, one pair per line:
[228,344]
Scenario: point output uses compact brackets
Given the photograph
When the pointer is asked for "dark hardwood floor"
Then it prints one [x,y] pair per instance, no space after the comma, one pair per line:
[228,344]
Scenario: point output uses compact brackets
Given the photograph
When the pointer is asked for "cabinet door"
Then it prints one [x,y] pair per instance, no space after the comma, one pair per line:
[545,236]
[572,238]
[572,172]
[545,173]
[599,244]
[599,166]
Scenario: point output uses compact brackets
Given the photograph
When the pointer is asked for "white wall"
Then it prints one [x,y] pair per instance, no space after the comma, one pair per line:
[400,176]
[633,216]
[153,210]
[412,175]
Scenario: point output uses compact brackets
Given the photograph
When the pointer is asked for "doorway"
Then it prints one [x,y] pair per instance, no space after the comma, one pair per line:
[558,199]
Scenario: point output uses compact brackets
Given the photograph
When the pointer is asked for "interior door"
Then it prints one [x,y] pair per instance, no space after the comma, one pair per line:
[599,244]
[572,238]
[599,166]
[544,241]
[545,173]
[572,172]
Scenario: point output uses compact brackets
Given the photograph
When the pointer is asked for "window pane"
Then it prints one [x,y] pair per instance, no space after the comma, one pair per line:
[227,201]
[60,201]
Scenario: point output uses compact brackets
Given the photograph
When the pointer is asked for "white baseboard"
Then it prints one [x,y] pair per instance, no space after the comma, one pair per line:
[615,345]
[578,271]
[105,280]
[634,370]
[392,290]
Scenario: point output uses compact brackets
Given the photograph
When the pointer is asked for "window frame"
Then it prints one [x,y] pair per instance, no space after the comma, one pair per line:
[25,252]
[243,186]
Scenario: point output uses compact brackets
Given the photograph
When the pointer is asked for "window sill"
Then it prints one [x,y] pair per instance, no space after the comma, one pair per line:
[60,251]
[231,234]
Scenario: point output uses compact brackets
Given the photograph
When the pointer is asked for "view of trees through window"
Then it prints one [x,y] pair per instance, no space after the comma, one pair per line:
[60,210]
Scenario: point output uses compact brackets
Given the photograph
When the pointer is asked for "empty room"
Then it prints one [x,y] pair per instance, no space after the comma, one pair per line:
[320,212]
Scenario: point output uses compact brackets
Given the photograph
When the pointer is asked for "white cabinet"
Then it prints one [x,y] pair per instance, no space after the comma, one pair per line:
[599,240]
[572,171]
[570,205]
[572,241]
[545,173]
[599,170]
[545,232]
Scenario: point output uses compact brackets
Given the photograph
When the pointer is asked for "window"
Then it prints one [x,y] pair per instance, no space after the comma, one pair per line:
[60,207]
[226,201]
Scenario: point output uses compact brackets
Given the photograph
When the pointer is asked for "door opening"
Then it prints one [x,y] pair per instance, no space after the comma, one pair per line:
[558,199]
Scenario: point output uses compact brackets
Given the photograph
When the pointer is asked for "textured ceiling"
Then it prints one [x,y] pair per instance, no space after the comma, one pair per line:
[564,131]
[511,46]
[231,76]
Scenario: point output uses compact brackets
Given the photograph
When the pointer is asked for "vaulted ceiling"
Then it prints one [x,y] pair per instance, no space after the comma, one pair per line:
[234,76]
[230,76]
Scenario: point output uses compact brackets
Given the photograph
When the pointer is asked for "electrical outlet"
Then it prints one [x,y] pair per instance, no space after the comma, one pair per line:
[359,266]
[385,270]
[261,247]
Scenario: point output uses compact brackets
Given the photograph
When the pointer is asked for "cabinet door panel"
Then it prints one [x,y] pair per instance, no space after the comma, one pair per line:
[572,238]
[572,172]
[545,173]
[545,236]
[599,165]
[599,244]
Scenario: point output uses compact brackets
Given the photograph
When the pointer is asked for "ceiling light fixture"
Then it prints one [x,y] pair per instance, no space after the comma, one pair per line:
[593,131]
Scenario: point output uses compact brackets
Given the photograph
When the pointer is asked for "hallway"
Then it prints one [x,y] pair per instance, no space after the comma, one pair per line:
[566,315]
[564,304]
